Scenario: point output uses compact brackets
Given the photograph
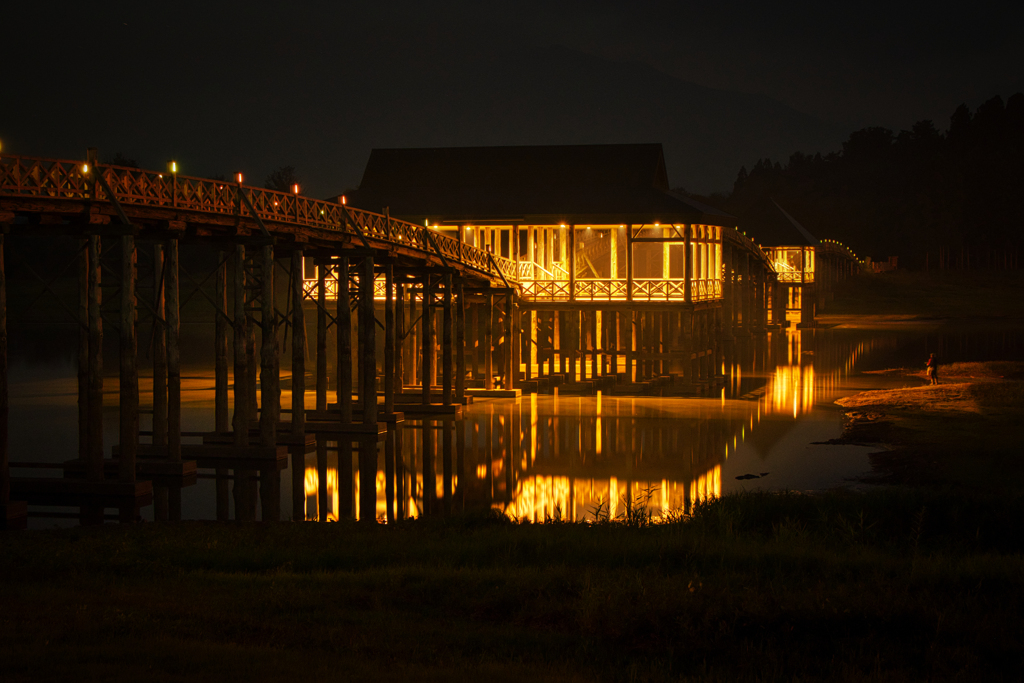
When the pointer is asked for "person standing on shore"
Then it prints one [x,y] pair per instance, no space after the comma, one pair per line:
[933,369]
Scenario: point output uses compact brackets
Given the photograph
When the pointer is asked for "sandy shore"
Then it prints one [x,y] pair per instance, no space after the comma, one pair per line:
[963,432]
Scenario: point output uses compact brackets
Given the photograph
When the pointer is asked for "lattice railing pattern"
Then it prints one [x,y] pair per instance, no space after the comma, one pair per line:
[546,290]
[795,276]
[61,179]
[615,290]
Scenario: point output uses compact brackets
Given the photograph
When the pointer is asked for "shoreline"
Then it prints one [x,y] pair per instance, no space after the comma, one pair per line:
[959,434]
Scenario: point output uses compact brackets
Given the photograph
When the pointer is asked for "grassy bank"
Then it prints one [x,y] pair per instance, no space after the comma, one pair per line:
[882,586]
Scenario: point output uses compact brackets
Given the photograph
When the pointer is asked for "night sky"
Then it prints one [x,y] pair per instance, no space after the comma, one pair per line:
[223,87]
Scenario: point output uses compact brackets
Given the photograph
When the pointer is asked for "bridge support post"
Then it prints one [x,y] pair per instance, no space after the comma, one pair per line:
[159,346]
[488,341]
[427,339]
[240,423]
[298,455]
[83,350]
[626,332]
[270,386]
[173,372]
[507,356]
[128,400]
[299,460]
[389,390]
[13,514]
[368,394]
[94,417]
[446,337]
[460,342]
[220,371]
[321,335]
[343,314]
[400,342]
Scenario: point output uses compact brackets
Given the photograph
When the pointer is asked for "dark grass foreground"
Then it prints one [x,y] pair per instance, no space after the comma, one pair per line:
[887,586]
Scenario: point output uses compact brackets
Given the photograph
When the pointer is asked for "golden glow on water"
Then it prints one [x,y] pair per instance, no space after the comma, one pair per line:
[543,457]
[543,497]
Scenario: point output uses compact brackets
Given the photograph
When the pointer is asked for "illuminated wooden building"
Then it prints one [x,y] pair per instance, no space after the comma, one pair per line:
[807,275]
[617,278]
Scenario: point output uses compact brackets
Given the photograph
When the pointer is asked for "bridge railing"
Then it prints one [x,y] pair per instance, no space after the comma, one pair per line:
[63,179]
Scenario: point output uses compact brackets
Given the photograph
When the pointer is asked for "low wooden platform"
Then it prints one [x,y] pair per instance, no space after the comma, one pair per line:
[432,410]
[229,456]
[495,393]
[154,467]
[64,492]
[414,394]
[418,410]
[334,415]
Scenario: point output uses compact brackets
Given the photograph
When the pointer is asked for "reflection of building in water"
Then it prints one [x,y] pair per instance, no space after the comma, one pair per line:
[539,498]
[574,457]
[547,457]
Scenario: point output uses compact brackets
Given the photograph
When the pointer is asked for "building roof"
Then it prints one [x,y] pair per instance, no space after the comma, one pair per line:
[598,184]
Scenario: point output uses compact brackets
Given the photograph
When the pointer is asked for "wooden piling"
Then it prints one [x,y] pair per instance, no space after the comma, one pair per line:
[128,403]
[270,385]
[368,393]
[5,470]
[460,342]
[446,336]
[506,363]
[389,390]
[159,350]
[321,336]
[400,330]
[95,293]
[269,397]
[297,451]
[83,350]
[222,421]
[173,370]
[427,336]
[240,420]
[488,341]
[343,314]
[626,334]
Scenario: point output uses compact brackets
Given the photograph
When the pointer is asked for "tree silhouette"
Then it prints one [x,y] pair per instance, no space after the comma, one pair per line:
[912,194]
[282,179]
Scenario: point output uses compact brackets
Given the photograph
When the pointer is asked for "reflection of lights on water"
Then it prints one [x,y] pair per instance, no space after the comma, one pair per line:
[311,484]
[481,471]
[792,389]
[538,497]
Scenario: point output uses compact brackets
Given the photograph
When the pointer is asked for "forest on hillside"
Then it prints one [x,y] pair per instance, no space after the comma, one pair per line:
[934,198]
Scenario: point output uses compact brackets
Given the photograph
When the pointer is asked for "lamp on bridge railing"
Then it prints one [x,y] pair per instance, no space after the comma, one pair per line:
[172,167]
[238,177]
[295,188]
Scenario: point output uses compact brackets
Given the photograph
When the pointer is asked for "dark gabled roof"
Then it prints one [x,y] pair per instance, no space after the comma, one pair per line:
[541,184]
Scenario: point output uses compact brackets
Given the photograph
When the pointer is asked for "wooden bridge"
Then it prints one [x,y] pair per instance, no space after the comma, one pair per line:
[510,320]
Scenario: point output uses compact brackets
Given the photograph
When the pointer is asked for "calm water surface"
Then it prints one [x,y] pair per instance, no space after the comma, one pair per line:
[546,456]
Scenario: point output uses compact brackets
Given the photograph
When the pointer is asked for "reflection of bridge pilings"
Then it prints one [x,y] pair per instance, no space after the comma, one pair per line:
[455,322]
